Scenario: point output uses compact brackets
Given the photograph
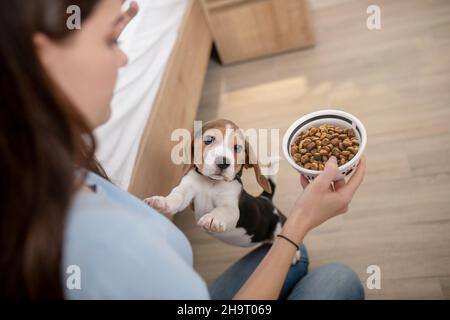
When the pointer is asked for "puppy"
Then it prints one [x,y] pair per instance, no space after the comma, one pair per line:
[212,185]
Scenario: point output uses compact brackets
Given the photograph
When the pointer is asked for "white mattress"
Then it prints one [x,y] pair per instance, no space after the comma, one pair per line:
[148,41]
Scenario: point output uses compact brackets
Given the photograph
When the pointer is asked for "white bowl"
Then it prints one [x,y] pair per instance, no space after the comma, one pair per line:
[315,119]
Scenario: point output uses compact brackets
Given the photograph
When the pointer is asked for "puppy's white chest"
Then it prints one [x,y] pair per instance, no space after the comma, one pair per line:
[204,203]
[211,194]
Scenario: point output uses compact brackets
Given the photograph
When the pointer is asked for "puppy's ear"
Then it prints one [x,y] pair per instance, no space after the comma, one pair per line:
[188,166]
[251,162]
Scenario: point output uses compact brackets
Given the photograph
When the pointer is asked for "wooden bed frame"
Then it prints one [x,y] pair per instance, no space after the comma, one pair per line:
[175,106]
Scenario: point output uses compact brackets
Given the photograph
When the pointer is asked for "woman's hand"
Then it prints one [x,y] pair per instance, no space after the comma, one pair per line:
[125,18]
[322,199]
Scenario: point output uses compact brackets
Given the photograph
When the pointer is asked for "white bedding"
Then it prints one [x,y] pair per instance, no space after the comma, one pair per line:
[148,41]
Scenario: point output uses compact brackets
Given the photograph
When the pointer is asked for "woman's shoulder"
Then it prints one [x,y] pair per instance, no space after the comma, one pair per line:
[124,250]
[109,211]
[94,217]
[110,215]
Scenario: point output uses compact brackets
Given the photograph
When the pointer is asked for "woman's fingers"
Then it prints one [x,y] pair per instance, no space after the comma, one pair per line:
[356,179]
[304,182]
[326,177]
[339,184]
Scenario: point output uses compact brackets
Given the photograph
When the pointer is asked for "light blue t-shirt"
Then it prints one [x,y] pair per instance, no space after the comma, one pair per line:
[125,249]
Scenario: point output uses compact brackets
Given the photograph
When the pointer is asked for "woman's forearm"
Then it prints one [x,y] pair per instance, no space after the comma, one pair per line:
[267,280]
[317,204]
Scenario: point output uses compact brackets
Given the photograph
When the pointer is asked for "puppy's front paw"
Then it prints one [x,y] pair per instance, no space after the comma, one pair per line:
[161,204]
[211,223]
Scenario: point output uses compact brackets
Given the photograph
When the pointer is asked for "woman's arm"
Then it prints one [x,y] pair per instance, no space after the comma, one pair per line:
[123,254]
[267,280]
[320,201]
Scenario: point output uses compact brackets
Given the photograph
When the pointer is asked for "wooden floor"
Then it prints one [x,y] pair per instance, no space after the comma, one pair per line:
[397,81]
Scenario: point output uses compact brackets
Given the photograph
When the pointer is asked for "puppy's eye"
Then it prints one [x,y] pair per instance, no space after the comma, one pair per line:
[238,148]
[208,140]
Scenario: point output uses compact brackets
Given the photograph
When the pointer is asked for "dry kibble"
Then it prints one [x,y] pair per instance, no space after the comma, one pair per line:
[313,147]
[335,142]
[350,132]
[304,159]
[304,143]
[347,143]
[310,146]
[336,152]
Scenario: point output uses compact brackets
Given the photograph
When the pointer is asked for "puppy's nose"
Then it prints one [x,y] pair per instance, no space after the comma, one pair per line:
[222,163]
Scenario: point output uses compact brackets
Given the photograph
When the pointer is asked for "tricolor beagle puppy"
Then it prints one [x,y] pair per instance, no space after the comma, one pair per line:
[214,188]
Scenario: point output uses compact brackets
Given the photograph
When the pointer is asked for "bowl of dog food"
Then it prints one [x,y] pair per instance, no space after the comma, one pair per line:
[311,140]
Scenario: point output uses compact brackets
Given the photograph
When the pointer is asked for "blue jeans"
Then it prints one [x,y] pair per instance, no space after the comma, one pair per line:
[329,282]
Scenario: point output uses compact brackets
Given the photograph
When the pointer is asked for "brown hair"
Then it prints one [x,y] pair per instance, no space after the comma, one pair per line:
[42,140]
